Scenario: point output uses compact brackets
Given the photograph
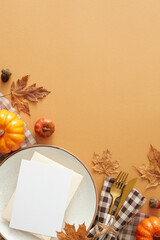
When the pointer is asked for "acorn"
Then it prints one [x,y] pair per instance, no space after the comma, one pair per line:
[154,203]
[5,75]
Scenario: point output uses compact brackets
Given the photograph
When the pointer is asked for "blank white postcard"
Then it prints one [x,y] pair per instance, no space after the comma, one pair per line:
[41,197]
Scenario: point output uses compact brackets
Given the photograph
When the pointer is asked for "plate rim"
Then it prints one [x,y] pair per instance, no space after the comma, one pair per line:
[62,149]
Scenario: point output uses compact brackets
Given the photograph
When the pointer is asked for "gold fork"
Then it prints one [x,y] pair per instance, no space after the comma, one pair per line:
[115,191]
[117,187]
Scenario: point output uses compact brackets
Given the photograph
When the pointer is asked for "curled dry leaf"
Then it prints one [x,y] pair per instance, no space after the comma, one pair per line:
[104,164]
[70,233]
[20,92]
[151,172]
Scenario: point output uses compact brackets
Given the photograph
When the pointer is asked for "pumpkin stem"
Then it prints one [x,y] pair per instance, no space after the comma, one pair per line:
[46,127]
[1,132]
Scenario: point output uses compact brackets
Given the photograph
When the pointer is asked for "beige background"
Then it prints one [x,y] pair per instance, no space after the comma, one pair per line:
[101,61]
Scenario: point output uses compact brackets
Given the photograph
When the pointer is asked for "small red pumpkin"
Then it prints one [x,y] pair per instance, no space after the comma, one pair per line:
[44,127]
[147,228]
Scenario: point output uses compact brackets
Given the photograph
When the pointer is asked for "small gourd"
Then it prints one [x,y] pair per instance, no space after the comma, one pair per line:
[11,131]
[44,127]
[148,228]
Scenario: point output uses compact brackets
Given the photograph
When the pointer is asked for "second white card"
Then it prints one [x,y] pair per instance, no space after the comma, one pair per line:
[41,197]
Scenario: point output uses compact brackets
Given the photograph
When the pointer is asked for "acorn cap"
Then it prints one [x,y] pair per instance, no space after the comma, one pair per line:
[153,202]
[5,75]
[6,71]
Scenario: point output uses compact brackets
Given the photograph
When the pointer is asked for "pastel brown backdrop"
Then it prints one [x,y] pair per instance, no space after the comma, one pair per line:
[101,61]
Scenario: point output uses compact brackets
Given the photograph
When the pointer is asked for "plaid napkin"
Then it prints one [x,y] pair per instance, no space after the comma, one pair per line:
[29,139]
[129,230]
[130,208]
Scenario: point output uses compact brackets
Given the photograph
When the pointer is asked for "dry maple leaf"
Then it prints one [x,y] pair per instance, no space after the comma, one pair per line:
[20,92]
[103,164]
[154,157]
[71,233]
[151,172]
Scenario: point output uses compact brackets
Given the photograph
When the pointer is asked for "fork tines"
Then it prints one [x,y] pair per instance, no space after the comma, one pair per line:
[120,180]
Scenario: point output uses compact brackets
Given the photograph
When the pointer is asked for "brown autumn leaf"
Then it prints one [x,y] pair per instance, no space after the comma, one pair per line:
[151,172]
[20,93]
[20,104]
[70,233]
[154,157]
[104,164]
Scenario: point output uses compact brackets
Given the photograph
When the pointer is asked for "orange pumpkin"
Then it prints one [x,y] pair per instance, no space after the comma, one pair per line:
[11,131]
[148,228]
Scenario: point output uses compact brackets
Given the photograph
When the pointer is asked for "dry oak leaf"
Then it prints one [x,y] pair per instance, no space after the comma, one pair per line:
[103,164]
[151,172]
[71,233]
[20,92]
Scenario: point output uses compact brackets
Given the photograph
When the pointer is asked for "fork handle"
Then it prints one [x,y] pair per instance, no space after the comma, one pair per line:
[110,211]
[106,222]
[111,207]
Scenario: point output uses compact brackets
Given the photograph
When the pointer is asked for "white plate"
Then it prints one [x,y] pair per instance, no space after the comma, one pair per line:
[83,206]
